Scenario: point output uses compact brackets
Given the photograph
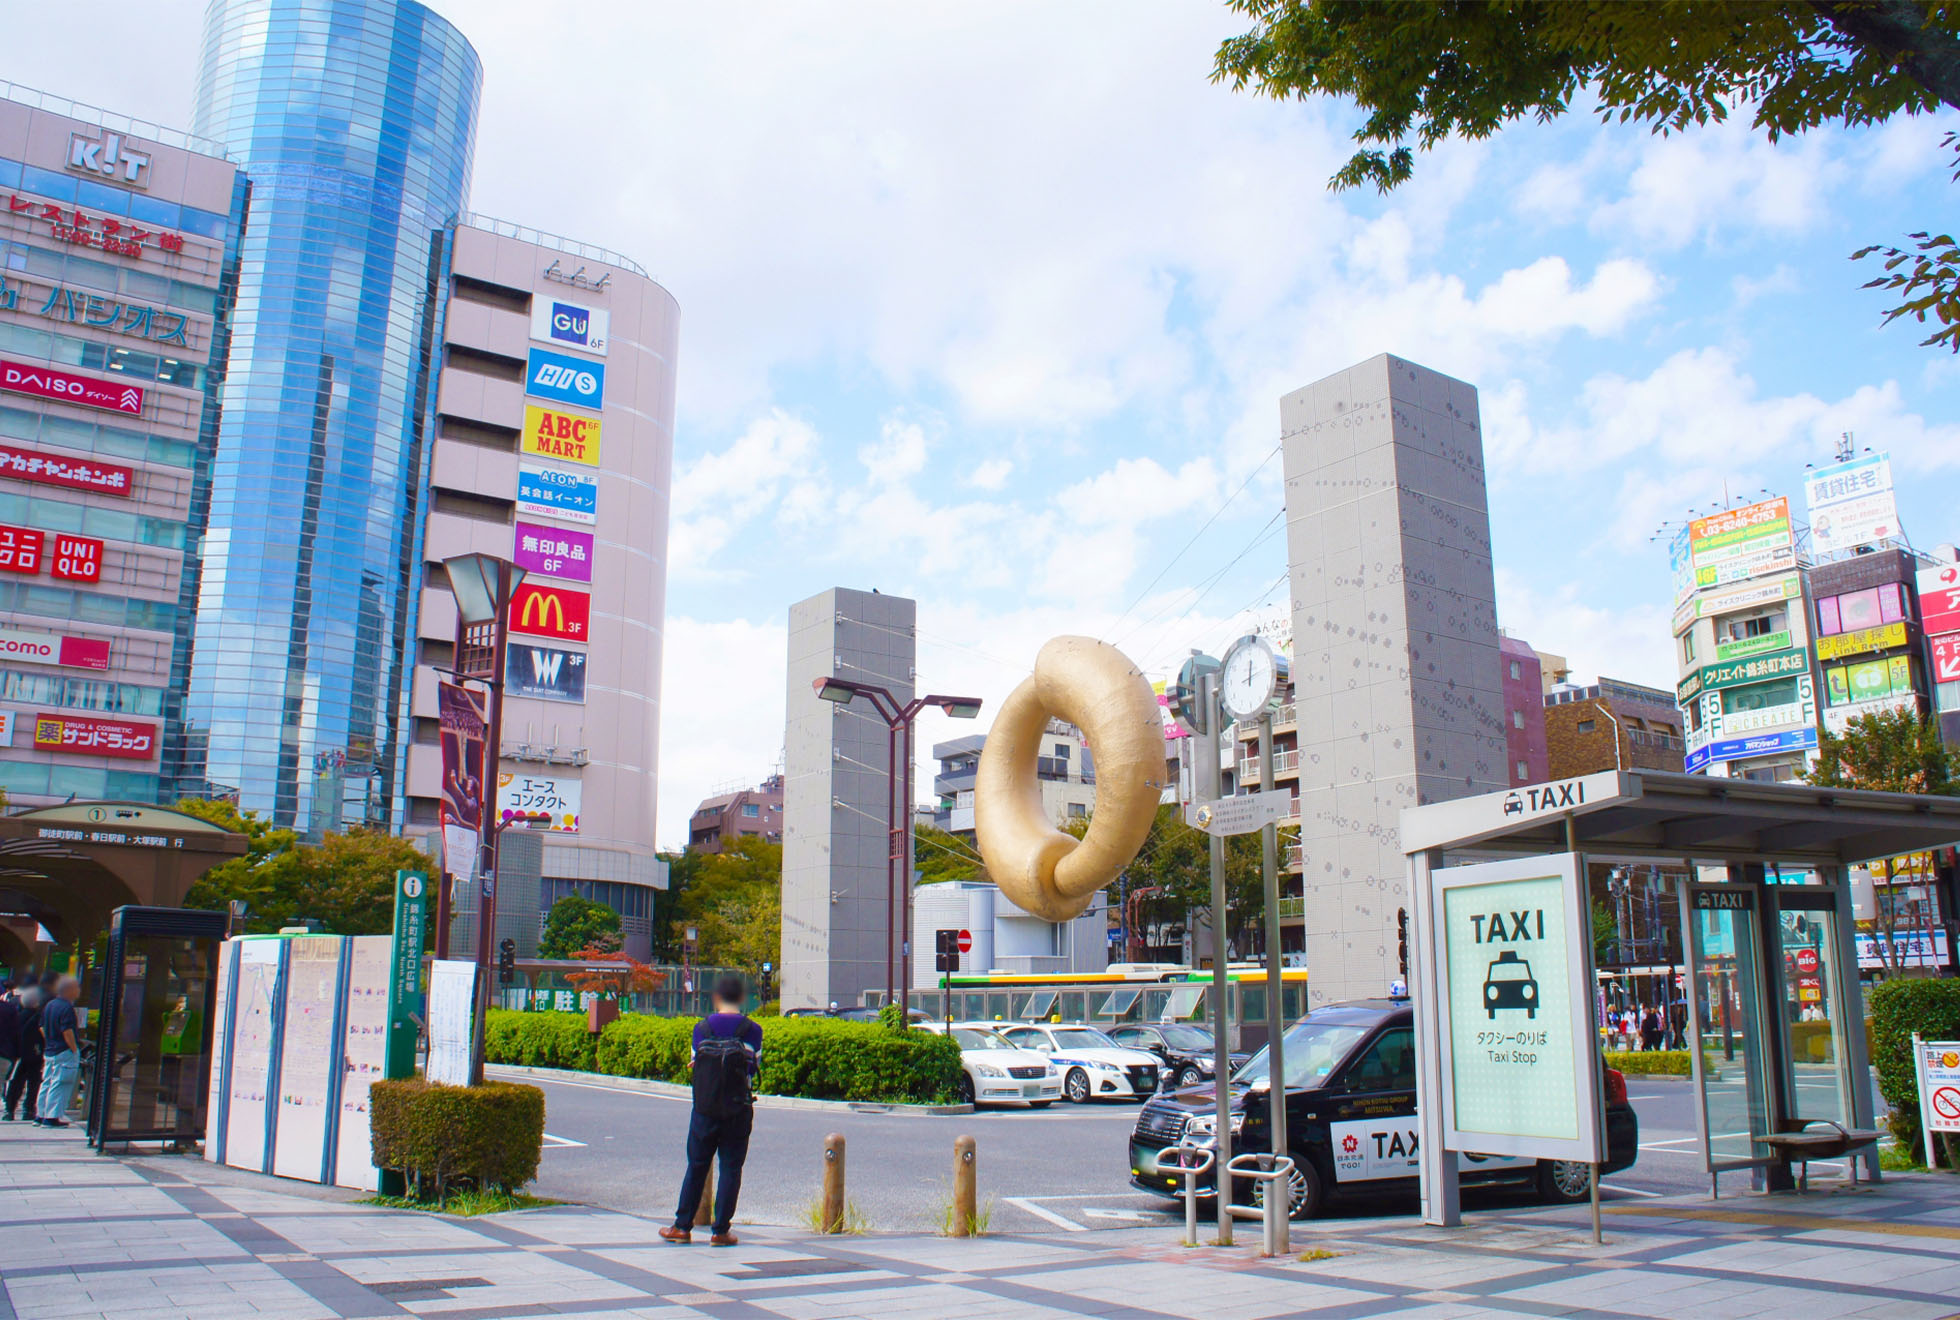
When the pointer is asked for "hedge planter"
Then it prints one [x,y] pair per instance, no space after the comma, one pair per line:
[438,1137]
[1901,1007]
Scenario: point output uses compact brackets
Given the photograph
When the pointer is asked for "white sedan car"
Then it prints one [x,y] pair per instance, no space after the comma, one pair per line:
[994,1072]
[1093,1067]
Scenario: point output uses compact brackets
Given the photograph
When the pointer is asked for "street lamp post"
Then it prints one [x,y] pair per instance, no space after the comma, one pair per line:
[483,586]
[898,719]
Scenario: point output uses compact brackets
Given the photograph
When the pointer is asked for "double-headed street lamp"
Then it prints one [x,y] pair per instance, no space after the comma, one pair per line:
[483,586]
[898,719]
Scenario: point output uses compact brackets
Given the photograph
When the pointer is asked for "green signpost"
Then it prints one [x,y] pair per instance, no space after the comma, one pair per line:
[405,971]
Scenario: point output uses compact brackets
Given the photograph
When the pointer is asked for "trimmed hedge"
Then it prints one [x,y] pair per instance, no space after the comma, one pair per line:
[540,1040]
[1650,1063]
[1901,1007]
[815,1057]
[488,1136]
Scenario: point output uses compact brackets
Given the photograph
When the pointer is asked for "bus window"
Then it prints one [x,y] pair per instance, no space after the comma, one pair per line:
[1039,1005]
[1252,1002]
[996,1007]
[1118,1003]
[1075,1006]
[1187,1001]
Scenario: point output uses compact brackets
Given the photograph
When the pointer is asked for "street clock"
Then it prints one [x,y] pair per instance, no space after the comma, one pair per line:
[1250,678]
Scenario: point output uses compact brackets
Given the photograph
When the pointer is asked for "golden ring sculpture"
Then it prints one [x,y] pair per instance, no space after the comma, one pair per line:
[1093,686]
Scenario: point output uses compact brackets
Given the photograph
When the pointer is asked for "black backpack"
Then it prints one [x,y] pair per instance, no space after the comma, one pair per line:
[721,1077]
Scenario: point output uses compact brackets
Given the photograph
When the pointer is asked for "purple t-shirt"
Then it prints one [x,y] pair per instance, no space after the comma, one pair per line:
[738,1025]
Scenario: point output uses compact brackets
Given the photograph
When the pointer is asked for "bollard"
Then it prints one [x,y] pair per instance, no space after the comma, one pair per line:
[966,1186]
[833,1183]
[1190,1161]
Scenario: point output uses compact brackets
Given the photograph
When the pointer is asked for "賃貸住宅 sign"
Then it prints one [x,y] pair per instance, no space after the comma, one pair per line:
[1742,648]
[1851,504]
[1884,637]
[573,325]
[109,156]
[550,433]
[1707,604]
[548,673]
[553,551]
[544,492]
[563,379]
[1742,749]
[39,648]
[81,307]
[556,796]
[1742,543]
[1939,599]
[44,382]
[1515,1009]
[547,611]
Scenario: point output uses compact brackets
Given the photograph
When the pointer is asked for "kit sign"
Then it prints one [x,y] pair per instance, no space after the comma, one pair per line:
[547,673]
[565,379]
[83,736]
[555,493]
[66,387]
[1519,1067]
[1882,638]
[554,551]
[1939,598]
[1756,669]
[572,324]
[540,611]
[552,434]
[530,794]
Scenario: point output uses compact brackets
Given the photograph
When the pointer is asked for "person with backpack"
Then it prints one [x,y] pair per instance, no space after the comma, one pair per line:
[727,1055]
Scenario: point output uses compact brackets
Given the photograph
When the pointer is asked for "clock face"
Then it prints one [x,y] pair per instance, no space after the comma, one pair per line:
[1249,679]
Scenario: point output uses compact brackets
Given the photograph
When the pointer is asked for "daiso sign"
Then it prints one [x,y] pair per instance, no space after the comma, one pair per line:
[550,433]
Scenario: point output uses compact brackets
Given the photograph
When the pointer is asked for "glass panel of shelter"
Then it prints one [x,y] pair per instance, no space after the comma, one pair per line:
[1728,1046]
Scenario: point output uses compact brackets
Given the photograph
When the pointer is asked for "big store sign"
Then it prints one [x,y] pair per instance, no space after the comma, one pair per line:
[84,736]
[571,324]
[554,493]
[564,379]
[549,433]
[66,387]
[39,648]
[540,611]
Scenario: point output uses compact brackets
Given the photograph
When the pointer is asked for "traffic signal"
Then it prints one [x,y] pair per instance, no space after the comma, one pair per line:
[946,950]
[1402,942]
[507,962]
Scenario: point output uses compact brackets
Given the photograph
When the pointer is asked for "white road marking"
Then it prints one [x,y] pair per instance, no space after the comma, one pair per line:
[615,1090]
[1027,1204]
[1630,1191]
[550,1140]
[1133,1216]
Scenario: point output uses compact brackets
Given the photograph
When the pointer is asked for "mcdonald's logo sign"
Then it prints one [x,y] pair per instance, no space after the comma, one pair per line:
[550,612]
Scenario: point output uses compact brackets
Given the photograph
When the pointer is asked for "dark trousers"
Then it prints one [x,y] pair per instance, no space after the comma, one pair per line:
[27,1080]
[708,1137]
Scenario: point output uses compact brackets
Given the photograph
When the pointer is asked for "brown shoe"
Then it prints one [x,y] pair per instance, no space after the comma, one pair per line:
[723,1240]
[680,1235]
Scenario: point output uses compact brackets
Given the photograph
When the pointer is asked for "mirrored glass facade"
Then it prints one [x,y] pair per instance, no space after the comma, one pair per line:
[356,122]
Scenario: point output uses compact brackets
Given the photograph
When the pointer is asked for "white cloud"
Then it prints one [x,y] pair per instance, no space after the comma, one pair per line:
[1598,639]
[721,493]
[706,743]
[991,474]
[1721,180]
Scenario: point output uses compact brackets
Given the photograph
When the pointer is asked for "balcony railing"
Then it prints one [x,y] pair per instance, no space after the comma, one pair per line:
[1293,907]
[1283,718]
[1283,763]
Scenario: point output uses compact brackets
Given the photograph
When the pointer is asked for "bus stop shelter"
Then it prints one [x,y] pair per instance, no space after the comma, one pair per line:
[1775,1009]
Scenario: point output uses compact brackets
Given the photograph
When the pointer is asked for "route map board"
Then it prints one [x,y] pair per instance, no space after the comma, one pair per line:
[364,1060]
[254,1030]
[308,1053]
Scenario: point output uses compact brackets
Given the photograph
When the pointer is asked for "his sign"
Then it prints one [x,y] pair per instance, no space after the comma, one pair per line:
[565,379]
[1515,1009]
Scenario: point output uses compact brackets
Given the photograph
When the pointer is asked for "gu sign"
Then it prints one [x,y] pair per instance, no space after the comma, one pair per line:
[109,157]
[571,324]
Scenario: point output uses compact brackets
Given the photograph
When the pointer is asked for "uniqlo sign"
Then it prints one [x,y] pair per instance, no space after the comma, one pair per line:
[1946,658]
[65,386]
[20,550]
[77,558]
[84,736]
[74,473]
[550,612]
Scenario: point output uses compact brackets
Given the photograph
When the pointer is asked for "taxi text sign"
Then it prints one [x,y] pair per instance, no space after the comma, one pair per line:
[1520,1076]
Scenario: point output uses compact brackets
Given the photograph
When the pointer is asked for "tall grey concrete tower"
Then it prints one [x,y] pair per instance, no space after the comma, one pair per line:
[1395,650]
[835,790]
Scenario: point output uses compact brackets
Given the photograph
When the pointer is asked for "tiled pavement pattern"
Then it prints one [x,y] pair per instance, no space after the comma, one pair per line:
[143,1239]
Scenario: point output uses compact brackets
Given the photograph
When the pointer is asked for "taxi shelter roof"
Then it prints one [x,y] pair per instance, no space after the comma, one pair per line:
[1661,814]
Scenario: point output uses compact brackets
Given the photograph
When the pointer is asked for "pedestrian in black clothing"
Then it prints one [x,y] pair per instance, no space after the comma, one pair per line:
[9,1031]
[727,1055]
[1651,1030]
[26,1079]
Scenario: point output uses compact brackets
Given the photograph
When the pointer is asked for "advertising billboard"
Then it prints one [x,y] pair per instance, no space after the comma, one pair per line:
[553,551]
[73,473]
[1939,598]
[548,673]
[39,648]
[1882,638]
[83,735]
[573,325]
[545,492]
[1762,744]
[1756,669]
[549,433]
[544,611]
[1746,596]
[20,550]
[1681,561]
[1946,658]
[563,379]
[530,794]
[1737,544]
[1851,504]
[44,382]
[1742,648]
[76,558]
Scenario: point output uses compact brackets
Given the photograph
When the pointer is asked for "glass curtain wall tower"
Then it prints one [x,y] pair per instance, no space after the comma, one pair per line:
[356,121]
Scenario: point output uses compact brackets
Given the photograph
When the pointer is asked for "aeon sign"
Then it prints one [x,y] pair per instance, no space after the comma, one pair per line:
[565,379]
[109,157]
[572,324]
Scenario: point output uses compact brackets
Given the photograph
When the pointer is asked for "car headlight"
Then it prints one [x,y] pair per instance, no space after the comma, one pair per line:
[1490,992]
[1105,1067]
[1207,1065]
[1202,1129]
[1049,1071]
[988,1070]
[1526,991]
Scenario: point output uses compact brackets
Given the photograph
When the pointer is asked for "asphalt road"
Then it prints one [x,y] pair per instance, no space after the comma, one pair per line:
[1060,1170]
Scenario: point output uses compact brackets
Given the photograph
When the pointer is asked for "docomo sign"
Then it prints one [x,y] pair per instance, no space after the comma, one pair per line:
[550,612]
[36,648]
[84,736]
[66,387]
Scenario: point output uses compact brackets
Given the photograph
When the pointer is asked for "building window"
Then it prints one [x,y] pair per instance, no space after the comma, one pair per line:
[1077,810]
[1517,669]
[1758,625]
[1517,719]
[1586,726]
[751,809]
[1688,647]
[1524,772]
[1061,751]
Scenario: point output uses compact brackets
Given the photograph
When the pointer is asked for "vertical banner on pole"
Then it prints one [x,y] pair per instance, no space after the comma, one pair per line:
[405,971]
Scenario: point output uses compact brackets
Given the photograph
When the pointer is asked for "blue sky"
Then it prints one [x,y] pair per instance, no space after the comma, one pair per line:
[992,306]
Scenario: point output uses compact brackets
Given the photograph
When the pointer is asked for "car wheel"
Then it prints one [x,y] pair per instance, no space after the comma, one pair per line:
[1076,1086]
[1189,1077]
[1306,1193]
[1039,1104]
[1564,1182]
[964,1090]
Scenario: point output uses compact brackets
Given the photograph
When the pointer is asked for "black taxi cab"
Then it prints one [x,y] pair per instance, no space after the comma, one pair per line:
[1351,1116]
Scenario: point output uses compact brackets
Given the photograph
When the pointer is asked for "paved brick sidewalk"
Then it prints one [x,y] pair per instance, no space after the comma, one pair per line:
[144,1239]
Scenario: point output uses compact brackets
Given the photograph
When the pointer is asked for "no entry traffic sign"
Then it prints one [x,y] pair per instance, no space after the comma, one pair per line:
[966,941]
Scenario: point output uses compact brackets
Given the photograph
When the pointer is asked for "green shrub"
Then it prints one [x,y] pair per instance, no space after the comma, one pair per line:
[1901,1007]
[540,1040]
[1650,1063]
[488,1136]
[641,1046]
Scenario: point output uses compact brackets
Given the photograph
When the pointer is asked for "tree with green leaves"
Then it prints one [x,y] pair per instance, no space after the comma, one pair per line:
[1175,863]
[1424,71]
[735,900]
[346,882]
[940,855]
[575,924]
